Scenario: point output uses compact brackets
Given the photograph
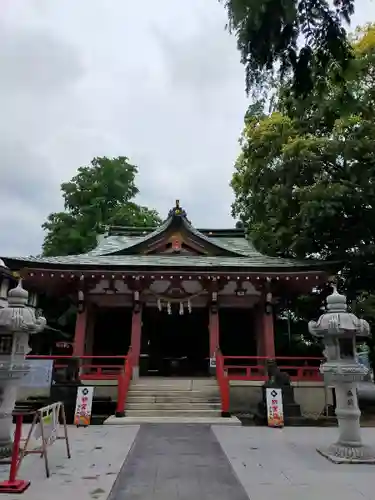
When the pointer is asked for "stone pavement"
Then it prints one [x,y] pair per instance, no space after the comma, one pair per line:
[174,462]
[98,453]
[177,462]
[283,464]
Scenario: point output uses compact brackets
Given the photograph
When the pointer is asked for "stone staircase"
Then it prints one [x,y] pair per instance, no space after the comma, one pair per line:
[173,397]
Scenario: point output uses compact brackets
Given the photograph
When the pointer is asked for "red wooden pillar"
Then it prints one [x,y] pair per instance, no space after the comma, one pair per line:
[268,333]
[136,338]
[258,324]
[80,333]
[90,327]
[214,330]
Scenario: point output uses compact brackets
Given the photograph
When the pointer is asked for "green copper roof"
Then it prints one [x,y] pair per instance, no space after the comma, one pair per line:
[120,248]
[116,243]
[165,261]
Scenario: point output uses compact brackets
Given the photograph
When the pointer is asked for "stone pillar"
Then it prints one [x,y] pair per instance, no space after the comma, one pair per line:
[136,338]
[214,330]
[17,323]
[338,328]
[80,333]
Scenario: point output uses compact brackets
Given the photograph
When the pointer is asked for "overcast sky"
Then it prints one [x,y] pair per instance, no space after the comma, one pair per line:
[158,81]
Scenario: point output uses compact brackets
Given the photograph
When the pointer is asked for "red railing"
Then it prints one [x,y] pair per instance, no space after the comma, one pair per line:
[121,371]
[124,380]
[236,367]
[253,367]
[89,369]
[223,383]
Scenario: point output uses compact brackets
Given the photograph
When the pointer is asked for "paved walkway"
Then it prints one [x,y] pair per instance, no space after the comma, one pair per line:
[174,462]
[284,464]
[177,462]
[98,453]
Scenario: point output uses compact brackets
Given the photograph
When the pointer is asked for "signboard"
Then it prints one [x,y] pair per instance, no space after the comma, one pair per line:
[45,430]
[48,425]
[275,413]
[82,414]
[40,374]
[213,362]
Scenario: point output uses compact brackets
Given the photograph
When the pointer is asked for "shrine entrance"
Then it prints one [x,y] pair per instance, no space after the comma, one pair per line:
[173,344]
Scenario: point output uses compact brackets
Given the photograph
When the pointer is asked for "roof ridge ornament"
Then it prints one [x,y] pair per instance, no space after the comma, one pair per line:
[177,211]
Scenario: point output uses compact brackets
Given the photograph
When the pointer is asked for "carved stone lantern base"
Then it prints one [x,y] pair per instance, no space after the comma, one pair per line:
[341,454]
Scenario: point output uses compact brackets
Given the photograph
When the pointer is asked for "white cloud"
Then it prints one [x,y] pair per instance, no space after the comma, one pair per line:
[158,81]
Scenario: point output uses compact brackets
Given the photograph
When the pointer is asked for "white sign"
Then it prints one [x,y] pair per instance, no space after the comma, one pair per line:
[45,429]
[82,414]
[48,425]
[40,374]
[213,362]
[275,413]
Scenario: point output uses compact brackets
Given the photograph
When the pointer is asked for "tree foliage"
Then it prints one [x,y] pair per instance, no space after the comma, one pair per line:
[305,38]
[304,182]
[100,194]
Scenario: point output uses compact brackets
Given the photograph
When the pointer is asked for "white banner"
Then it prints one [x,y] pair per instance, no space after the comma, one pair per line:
[82,415]
[48,425]
[40,374]
[275,413]
[45,431]
[213,362]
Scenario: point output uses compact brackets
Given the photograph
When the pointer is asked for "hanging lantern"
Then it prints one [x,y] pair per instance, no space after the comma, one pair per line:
[269,303]
[81,301]
[159,304]
[169,308]
[189,306]
[181,308]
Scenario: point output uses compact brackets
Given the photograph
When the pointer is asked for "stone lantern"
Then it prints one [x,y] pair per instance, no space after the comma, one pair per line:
[17,323]
[338,329]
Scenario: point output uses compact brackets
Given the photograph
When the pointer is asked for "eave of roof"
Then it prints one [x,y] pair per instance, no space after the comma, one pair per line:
[147,262]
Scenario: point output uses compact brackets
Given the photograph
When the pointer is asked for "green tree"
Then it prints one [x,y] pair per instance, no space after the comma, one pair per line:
[304,38]
[304,182]
[100,194]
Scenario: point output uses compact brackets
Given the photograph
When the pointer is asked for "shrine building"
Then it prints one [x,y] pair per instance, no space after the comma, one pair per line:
[171,293]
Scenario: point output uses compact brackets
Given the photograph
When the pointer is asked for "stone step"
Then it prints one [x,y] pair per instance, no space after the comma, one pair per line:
[167,398]
[175,380]
[173,390]
[173,398]
[203,388]
[233,421]
[172,406]
[174,384]
[173,413]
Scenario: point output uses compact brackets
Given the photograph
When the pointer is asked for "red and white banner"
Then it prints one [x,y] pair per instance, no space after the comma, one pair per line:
[82,414]
[275,413]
